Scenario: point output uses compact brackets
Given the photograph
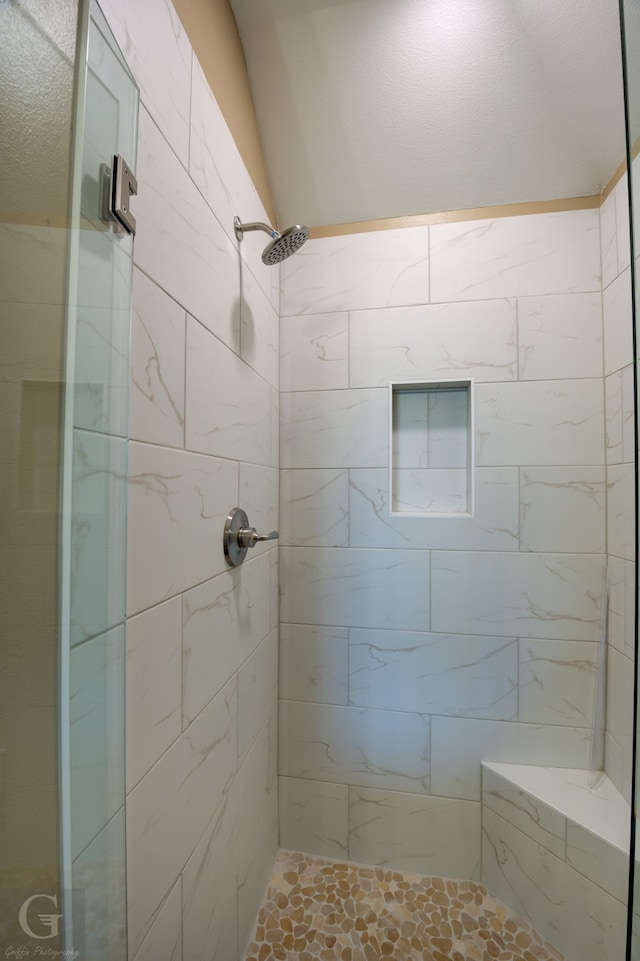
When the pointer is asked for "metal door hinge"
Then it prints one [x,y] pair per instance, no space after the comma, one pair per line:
[118,186]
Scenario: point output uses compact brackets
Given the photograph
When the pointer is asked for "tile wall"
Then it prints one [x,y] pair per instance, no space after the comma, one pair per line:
[413,648]
[557,852]
[201,665]
[618,371]
[410,648]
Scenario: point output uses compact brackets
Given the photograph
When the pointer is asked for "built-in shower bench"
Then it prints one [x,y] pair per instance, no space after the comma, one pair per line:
[556,851]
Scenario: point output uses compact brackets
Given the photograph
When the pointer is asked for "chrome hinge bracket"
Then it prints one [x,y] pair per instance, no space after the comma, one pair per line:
[118,185]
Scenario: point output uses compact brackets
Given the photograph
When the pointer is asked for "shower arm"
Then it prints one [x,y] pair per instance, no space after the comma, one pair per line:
[241,228]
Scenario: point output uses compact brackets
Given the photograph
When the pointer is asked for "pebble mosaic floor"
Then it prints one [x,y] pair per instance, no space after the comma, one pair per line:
[317,909]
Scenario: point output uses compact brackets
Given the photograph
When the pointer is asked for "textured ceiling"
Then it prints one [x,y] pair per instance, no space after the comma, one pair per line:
[384,108]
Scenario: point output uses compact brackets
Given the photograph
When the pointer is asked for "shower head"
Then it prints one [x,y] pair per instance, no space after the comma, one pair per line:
[284,244]
[281,245]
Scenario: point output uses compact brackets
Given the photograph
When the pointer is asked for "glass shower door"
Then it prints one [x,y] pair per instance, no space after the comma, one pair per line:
[630,17]
[94,477]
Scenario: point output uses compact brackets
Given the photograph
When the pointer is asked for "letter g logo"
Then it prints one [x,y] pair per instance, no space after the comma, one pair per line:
[49,922]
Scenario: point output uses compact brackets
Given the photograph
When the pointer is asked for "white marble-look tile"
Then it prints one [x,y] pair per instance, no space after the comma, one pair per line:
[154,686]
[314,352]
[98,533]
[431,491]
[604,864]
[557,682]
[621,194]
[314,817]
[539,821]
[253,874]
[314,664]
[104,267]
[164,940]
[334,428]
[101,390]
[157,365]
[620,510]
[476,339]
[259,498]
[494,525]
[224,620]
[434,673]
[628,782]
[385,268]
[410,436]
[614,763]
[209,899]
[179,243]
[170,807]
[617,313]
[314,508]
[516,256]
[99,891]
[600,809]
[460,744]
[620,670]
[628,414]
[248,795]
[635,175]
[272,750]
[216,166]
[257,691]
[578,917]
[228,405]
[449,416]
[430,427]
[539,422]
[609,240]
[560,336]
[622,589]
[97,747]
[221,932]
[274,587]
[178,503]
[527,595]
[355,588]
[275,428]
[410,832]
[347,745]
[160,60]
[259,330]
[562,509]
[613,417]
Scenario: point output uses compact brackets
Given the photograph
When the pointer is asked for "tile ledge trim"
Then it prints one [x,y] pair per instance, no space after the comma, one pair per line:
[547,783]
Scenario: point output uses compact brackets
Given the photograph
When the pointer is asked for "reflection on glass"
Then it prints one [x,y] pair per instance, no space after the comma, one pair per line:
[37,82]
[65,280]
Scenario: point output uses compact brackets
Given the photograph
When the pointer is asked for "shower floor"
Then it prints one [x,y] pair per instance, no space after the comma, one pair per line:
[317,908]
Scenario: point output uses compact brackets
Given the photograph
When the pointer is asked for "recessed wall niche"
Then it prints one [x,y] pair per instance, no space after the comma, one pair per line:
[431,470]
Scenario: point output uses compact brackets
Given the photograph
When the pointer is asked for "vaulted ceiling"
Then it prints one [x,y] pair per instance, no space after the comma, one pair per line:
[383,108]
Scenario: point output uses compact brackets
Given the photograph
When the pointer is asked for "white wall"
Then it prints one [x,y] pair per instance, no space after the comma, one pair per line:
[414,648]
[201,639]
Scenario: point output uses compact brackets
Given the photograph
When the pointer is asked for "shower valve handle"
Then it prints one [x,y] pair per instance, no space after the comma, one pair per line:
[249,537]
[239,536]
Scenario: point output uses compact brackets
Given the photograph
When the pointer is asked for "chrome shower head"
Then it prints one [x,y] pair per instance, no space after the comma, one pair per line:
[281,245]
[285,244]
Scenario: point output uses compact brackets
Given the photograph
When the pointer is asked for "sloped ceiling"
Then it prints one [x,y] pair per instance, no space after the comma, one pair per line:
[383,108]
